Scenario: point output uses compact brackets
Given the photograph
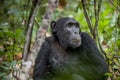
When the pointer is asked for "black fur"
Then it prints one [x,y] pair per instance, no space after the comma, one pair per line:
[57,61]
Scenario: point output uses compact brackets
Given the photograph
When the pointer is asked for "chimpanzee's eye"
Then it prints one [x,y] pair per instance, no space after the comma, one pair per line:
[77,24]
[69,25]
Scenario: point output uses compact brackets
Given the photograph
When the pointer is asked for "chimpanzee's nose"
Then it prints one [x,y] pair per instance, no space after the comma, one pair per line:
[75,32]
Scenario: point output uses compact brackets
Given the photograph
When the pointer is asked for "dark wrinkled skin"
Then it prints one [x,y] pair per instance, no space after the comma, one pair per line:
[61,59]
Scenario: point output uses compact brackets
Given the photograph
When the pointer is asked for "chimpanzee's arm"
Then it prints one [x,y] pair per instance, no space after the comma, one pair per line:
[93,56]
[41,62]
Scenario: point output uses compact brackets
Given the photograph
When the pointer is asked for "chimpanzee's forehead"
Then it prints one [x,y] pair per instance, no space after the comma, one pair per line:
[66,19]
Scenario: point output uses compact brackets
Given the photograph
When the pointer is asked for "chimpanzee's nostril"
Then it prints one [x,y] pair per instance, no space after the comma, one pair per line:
[75,32]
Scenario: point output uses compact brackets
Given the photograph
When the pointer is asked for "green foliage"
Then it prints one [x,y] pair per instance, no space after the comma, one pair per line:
[12,26]
[5,69]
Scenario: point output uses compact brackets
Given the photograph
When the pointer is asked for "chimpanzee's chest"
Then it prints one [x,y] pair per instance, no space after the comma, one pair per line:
[65,66]
[70,65]
[64,59]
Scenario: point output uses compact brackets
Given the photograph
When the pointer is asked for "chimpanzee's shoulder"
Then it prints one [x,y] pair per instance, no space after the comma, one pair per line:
[50,39]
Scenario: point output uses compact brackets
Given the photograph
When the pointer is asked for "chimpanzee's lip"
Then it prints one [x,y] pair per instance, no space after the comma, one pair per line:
[76,40]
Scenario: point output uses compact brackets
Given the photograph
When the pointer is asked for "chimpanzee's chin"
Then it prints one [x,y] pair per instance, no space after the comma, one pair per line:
[75,44]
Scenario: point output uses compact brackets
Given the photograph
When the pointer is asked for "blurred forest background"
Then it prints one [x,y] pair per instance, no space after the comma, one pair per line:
[25,23]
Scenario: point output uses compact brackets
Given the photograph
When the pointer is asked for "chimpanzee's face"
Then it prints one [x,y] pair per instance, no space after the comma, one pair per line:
[68,32]
[71,33]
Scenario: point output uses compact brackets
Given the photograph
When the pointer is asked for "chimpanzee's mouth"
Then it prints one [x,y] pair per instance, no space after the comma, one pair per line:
[76,40]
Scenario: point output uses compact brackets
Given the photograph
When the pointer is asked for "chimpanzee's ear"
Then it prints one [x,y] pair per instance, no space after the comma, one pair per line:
[53,26]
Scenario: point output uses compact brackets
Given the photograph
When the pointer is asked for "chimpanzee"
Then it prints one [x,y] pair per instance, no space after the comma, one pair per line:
[69,54]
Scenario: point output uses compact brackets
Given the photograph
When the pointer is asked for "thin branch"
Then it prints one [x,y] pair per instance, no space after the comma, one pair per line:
[86,16]
[95,8]
[96,16]
[111,2]
[103,50]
